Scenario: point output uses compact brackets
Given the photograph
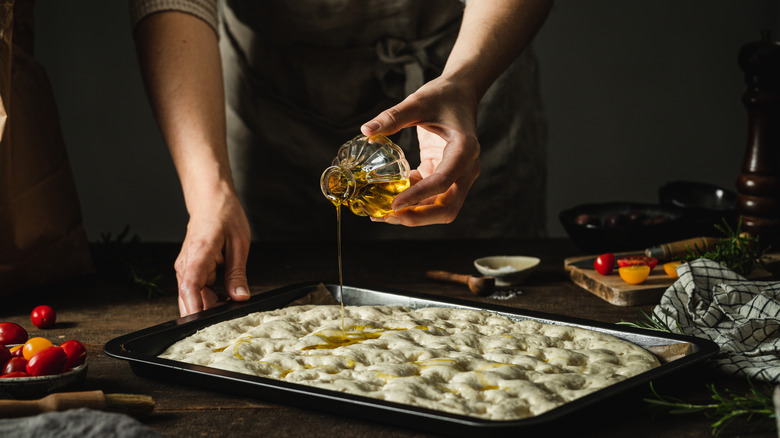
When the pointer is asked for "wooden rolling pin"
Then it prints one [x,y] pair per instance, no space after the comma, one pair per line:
[669,251]
[131,404]
[477,285]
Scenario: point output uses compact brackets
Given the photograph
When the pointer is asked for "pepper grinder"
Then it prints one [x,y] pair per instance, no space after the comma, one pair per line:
[758,184]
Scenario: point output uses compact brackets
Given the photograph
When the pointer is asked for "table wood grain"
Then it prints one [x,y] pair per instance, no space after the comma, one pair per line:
[98,308]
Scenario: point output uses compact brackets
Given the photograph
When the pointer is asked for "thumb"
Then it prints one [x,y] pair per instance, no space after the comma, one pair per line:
[235,273]
[391,120]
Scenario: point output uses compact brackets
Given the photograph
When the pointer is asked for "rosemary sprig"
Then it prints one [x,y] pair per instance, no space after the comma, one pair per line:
[118,257]
[652,321]
[727,406]
[738,251]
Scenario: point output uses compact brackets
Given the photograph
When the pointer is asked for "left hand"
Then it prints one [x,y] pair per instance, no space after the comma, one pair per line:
[445,118]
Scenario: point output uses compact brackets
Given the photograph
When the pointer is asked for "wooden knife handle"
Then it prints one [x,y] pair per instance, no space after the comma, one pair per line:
[53,402]
[669,251]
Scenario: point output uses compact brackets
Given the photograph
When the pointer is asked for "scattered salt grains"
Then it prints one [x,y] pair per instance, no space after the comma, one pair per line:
[505,294]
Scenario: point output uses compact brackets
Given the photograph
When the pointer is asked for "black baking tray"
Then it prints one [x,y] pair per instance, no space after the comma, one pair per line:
[141,348]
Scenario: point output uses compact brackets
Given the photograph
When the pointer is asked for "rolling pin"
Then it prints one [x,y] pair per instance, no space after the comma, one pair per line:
[669,251]
[131,404]
[478,285]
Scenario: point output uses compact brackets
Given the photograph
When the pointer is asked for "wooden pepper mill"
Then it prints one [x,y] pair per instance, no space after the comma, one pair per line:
[758,184]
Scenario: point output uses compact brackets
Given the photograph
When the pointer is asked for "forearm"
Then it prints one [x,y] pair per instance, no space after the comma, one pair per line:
[492,35]
[180,63]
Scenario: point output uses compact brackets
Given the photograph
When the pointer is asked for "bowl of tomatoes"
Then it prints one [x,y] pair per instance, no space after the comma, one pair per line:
[31,367]
[623,226]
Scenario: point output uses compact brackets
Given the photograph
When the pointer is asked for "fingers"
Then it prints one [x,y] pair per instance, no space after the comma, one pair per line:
[459,164]
[195,269]
[210,298]
[434,185]
[440,209]
[393,119]
[236,255]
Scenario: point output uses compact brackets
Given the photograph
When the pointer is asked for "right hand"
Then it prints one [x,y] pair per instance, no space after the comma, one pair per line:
[217,233]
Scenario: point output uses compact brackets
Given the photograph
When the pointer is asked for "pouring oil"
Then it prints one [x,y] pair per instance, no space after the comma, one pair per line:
[341,273]
[377,200]
[366,175]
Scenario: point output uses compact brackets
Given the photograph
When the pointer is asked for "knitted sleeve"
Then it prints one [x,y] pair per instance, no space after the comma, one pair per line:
[206,10]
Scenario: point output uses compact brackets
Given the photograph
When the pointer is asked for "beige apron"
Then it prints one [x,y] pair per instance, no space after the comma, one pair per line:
[301,77]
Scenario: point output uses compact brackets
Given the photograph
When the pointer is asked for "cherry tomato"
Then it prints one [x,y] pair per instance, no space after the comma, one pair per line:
[46,362]
[14,365]
[5,355]
[76,353]
[638,260]
[34,345]
[17,351]
[671,268]
[12,333]
[43,317]
[604,264]
[14,375]
[634,274]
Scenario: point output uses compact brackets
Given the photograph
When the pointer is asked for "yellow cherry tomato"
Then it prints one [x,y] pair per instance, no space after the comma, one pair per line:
[671,268]
[15,347]
[34,345]
[634,274]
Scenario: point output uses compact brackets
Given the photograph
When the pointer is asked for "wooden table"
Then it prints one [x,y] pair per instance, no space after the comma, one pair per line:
[97,309]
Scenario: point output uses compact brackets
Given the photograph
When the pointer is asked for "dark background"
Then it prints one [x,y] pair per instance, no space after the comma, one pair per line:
[637,93]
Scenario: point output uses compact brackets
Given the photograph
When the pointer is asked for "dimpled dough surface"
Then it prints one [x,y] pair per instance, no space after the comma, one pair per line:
[467,362]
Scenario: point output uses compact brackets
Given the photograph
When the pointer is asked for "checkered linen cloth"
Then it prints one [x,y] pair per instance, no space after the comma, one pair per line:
[741,316]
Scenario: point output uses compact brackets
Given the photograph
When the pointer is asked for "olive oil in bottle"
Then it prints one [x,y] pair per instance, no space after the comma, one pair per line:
[370,199]
[366,175]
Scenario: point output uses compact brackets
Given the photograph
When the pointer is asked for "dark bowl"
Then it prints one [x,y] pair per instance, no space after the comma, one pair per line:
[705,205]
[623,226]
[697,196]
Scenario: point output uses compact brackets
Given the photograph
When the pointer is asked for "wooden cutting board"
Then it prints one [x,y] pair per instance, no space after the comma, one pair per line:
[613,289]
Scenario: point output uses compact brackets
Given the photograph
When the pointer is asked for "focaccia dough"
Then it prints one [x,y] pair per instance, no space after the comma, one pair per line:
[467,362]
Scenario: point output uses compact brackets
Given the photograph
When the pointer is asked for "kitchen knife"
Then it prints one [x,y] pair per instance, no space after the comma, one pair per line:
[587,263]
[664,253]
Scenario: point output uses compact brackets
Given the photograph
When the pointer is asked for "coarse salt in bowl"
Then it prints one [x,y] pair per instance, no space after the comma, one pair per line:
[507,270]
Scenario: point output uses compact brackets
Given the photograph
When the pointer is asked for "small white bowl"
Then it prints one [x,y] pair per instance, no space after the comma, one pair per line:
[507,270]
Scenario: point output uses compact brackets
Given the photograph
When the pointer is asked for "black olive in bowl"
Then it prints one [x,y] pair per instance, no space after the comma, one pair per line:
[623,226]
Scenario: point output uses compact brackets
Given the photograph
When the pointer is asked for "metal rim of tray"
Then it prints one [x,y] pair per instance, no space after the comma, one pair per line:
[140,349]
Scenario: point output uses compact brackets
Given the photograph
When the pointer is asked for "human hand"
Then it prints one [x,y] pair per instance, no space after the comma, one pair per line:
[218,232]
[445,119]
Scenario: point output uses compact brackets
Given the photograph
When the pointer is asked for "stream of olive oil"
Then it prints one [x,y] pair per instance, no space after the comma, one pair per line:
[371,199]
[341,274]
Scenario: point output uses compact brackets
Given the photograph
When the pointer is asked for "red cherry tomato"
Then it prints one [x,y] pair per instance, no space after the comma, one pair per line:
[604,263]
[14,365]
[43,317]
[637,260]
[76,353]
[34,345]
[14,374]
[5,355]
[46,362]
[12,333]
[17,350]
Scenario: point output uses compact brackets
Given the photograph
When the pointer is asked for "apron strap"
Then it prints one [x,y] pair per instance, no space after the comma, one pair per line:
[409,58]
